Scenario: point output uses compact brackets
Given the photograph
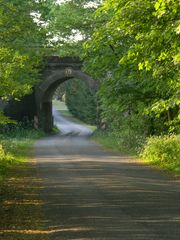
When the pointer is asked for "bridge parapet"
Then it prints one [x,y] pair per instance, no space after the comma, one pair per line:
[55,62]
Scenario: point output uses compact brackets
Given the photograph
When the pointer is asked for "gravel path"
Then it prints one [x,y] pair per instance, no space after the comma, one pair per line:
[89,193]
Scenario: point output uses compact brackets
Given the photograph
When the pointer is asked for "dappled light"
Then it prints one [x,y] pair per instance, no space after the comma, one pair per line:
[81,191]
[25,231]
[88,193]
[87,87]
[20,212]
[108,195]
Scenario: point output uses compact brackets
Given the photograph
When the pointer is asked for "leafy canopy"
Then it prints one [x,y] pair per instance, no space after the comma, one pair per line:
[71,24]
[138,43]
[22,42]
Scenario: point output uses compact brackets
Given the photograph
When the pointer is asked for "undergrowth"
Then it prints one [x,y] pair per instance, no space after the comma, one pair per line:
[163,151]
[123,143]
[15,141]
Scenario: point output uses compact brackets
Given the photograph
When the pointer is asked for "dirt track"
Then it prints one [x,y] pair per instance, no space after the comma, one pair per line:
[90,193]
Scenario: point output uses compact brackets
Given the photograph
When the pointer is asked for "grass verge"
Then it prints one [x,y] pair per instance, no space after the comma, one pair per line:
[160,151]
[21,206]
[14,147]
[116,144]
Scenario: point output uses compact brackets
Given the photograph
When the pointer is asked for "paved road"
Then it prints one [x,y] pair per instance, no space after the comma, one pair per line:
[92,194]
[68,127]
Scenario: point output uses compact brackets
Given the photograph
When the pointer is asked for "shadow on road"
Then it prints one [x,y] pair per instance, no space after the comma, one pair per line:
[93,194]
[88,193]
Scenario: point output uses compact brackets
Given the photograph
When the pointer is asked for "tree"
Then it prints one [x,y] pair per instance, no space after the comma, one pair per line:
[138,43]
[22,39]
[71,24]
[81,100]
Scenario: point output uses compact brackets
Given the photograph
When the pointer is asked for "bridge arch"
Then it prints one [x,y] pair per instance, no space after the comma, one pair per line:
[55,73]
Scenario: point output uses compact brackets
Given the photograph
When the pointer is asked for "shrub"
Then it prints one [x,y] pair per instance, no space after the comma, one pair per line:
[163,151]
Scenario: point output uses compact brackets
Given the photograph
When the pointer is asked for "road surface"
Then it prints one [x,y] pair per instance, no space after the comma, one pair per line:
[68,127]
[93,194]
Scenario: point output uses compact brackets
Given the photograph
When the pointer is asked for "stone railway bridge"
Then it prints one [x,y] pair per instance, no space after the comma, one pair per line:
[38,105]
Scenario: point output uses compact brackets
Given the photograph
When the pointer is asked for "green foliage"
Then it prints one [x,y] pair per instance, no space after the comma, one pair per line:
[107,139]
[138,42]
[71,32]
[126,140]
[163,151]
[4,119]
[22,45]
[71,24]
[81,101]
[6,159]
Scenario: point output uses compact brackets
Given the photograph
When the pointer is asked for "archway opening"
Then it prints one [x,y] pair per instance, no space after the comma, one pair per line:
[78,82]
[79,99]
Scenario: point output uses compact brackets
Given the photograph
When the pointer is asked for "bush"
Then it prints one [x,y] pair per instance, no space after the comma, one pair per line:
[163,151]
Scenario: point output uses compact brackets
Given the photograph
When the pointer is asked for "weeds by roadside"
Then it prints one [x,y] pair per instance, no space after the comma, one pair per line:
[122,144]
[163,151]
[14,144]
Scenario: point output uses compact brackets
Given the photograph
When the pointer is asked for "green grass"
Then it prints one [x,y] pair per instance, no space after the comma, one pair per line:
[61,106]
[63,110]
[106,139]
[14,147]
[161,151]
[110,141]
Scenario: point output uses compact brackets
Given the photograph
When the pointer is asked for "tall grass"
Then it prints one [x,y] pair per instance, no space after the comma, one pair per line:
[15,141]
